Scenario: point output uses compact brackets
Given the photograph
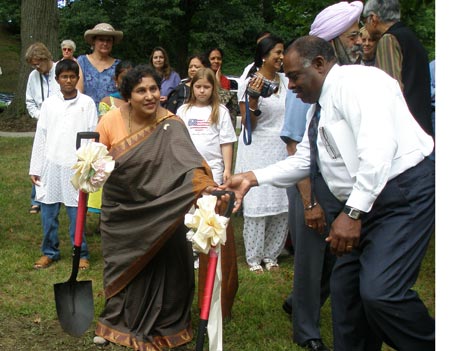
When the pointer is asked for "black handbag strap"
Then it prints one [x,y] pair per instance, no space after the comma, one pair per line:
[42,87]
[247,130]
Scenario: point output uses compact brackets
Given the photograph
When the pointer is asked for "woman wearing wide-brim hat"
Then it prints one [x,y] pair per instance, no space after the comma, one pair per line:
[98,67]
[98,72]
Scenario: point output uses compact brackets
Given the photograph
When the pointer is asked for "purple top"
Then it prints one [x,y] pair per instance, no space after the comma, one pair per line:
[167,85]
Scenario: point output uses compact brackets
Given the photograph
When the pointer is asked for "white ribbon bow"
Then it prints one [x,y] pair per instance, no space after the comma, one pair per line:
[93,167]
[208,229]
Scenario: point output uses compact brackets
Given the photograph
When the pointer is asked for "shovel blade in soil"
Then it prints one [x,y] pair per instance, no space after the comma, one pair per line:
[74,306]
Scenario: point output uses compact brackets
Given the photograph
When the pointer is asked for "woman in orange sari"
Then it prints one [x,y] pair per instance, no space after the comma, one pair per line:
[148,273]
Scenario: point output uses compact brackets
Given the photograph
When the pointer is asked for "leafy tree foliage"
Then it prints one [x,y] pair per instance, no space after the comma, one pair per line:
[182,27]
[185,27]
[420,16]
[10,14]
[231,26]
[294,18]
[79,16]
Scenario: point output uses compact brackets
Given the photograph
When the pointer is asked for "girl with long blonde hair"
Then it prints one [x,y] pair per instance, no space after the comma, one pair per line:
[209,124]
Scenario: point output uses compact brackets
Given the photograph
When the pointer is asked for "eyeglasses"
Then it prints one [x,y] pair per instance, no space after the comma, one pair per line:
[67,49]
[36,65]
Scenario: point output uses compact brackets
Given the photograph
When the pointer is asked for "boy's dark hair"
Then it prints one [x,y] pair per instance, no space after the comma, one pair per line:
[67,65]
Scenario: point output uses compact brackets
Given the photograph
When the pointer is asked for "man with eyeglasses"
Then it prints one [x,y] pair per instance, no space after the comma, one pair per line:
[313,260]
[401,55]
[332,24]
[41,85]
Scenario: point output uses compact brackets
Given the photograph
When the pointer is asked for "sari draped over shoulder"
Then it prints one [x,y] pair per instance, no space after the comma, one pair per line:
[148,274]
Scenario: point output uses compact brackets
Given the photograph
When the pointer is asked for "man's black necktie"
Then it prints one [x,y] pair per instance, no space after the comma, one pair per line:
[314,154]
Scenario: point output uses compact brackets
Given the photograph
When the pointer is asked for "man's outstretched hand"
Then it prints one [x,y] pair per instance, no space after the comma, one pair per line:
[240,184]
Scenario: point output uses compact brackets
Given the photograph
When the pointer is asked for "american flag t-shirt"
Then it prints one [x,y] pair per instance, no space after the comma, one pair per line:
[198,124]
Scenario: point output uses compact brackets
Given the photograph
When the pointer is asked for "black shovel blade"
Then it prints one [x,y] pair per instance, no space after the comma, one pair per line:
[74,306]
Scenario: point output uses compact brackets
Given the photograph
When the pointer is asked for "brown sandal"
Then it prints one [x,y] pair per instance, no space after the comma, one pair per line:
[35,209]
[43,262]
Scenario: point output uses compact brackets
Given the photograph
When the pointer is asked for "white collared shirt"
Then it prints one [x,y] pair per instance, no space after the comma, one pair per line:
[54,146]
[386,138]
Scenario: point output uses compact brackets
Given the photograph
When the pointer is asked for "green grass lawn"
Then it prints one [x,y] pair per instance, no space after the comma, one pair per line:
[27,309]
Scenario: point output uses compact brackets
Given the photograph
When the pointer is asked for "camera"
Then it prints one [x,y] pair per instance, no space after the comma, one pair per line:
[269,87]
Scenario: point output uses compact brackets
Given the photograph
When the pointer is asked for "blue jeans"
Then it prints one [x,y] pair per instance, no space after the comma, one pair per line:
[50,225]
[33,196]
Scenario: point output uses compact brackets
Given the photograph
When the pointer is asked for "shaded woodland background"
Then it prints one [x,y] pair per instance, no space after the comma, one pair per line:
[182,27]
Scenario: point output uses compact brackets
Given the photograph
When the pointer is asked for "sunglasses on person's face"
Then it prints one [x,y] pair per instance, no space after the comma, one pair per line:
[67,49]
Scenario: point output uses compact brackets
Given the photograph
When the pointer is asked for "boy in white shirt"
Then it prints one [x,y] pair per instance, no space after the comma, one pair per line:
[62,116]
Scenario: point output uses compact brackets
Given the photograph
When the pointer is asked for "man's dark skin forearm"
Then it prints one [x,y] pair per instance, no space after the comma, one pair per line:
[314,215]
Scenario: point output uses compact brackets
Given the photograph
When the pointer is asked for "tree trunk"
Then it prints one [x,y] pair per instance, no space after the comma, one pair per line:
[184,35]
[39,22]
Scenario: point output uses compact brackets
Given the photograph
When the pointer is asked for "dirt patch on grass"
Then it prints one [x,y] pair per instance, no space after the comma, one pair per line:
[30,333]
[23,123]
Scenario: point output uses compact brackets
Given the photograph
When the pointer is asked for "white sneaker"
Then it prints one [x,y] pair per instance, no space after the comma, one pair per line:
[271,265]
[99,341]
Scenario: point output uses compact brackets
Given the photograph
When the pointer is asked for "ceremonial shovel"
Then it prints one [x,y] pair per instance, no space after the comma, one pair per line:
[74,299]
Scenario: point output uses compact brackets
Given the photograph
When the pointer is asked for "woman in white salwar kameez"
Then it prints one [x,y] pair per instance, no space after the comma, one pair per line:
[265,207]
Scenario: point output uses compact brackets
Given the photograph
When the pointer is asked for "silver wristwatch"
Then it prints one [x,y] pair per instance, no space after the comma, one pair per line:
[352,212]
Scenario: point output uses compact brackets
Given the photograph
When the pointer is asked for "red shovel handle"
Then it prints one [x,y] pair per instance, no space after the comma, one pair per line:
[81,213]
[209,284]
